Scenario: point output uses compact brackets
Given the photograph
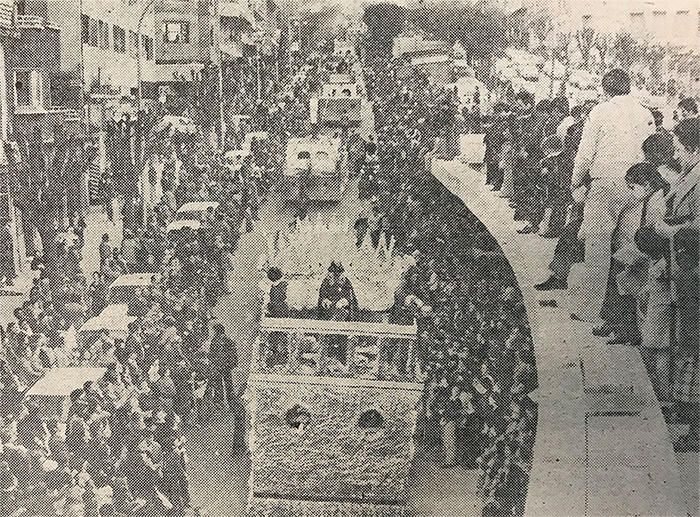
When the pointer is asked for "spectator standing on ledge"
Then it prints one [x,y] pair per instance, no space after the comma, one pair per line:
[610,144]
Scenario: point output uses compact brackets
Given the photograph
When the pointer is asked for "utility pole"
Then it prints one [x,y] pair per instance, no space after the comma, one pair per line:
[139,85]
[220,76]
[257,69]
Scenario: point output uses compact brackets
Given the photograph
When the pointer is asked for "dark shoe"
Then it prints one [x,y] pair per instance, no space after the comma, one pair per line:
[603,331]
[552,284]
[529,229]
[549,303]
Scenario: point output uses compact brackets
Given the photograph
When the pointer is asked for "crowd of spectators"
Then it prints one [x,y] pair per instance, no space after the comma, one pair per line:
[120,449]
[619,192]
[474,339]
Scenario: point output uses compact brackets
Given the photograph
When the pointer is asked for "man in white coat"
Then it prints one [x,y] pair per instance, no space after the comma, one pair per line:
[610,144]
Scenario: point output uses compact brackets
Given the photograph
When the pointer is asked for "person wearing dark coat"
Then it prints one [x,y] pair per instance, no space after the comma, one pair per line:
[223,359]
[277,307]
[336,297]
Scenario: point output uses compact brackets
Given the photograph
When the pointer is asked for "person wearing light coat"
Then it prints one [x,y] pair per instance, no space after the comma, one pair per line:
[610,144]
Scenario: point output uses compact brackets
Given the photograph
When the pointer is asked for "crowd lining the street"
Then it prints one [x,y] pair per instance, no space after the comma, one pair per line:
[617,190]
[474,339]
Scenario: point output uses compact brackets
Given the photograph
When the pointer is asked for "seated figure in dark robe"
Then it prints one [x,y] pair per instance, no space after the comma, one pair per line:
[336,298]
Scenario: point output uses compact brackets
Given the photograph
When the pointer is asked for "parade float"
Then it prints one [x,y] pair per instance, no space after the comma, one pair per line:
[340,102]
[333,413]
[333,403]
[316,168]
[304,253]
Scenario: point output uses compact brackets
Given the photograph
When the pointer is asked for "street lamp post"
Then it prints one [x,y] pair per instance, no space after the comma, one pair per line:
[139,86]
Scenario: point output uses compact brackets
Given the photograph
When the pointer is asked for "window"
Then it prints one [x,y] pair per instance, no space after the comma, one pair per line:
[94,32]
[636,23]
[147,47]
[119,36]
[133,43]
[104,35]
[176,32]
[86,29]
[297,417]
[28,88]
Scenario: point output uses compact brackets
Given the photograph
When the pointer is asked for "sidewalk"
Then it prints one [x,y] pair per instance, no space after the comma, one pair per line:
[602,445]
[13,296]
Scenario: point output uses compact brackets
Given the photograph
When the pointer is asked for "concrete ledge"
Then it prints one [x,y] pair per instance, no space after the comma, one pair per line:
[602,446]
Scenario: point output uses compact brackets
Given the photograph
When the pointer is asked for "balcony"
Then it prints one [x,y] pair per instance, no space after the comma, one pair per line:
[25,21]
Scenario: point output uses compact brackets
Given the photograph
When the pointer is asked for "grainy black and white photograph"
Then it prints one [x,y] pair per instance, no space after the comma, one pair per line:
[338,258]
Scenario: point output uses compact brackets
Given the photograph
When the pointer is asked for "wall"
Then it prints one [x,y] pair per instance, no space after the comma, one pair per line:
[673,21]
[332,459]
[116,70]
[66,15]
[36,49]
[192,12]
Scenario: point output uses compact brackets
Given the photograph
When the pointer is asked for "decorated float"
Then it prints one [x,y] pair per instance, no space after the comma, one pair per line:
[304,253]
[333,413]
[333,401]
[340,102]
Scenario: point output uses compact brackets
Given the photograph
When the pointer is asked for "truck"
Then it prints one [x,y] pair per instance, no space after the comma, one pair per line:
[315,168]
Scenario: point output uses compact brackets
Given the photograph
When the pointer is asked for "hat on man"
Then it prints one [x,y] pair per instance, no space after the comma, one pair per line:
[336,267]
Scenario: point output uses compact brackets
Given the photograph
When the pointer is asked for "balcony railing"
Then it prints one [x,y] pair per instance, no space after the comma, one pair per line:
[25,21]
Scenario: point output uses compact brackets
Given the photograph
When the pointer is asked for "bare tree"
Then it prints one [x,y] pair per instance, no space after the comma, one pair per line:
[42,174]
[585,39]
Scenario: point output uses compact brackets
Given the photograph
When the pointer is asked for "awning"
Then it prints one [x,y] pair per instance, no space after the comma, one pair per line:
[236,10]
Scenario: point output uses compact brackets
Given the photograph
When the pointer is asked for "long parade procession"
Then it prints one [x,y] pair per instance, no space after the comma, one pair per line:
[381,260]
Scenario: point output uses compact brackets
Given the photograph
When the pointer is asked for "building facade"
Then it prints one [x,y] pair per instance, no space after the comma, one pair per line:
[103,43]
[186,31]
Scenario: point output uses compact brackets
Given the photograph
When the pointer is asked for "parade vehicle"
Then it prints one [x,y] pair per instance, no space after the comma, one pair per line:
[113,322]
[125,286]
[181,225]
[114,319]
[195,210]
[332,400]
[304,253]
[339,103]
[191,215]
[466,88]
[315,168]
